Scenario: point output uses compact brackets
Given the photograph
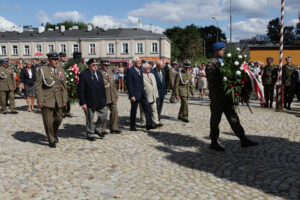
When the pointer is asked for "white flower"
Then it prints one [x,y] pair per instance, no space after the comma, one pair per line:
[72,79]
[245,56]
[225,78]
[238,73]
[67,75]
[67,81]
[242,68]
[236,63]
[252,64]
[229,55]
[238,49]
[222,64]
[240,56]
[71,73]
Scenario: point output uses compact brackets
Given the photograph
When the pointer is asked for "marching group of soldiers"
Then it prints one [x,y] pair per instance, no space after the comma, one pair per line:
[98,93]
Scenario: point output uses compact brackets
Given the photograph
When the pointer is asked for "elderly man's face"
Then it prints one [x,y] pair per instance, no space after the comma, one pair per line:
[63,59]
[138,63]
[53,62]
[159,65]
[146,69]
[93,66]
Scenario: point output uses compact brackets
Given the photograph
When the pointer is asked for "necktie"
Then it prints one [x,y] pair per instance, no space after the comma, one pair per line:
[160,76]
[96,76]
[149,78]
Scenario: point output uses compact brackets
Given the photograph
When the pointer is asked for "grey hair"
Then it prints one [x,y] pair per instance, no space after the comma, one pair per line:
[133,60]
[144,65]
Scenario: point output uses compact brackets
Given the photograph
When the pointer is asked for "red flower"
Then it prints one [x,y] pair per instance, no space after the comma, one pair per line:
[236,94]
[242,99]
[246,79]
[230,86]
[243,82]
[72,86]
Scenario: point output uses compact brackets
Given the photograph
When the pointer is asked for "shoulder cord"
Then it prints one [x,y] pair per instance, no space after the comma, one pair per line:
[184,83]
[1,76]
[43,77]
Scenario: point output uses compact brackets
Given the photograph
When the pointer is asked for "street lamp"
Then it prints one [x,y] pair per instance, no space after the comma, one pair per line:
[214,18]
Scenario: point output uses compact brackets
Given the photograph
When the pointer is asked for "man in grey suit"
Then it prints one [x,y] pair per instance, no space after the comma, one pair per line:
[150,86]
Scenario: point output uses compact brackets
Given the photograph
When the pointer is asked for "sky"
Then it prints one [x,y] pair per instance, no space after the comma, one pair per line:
[250,17]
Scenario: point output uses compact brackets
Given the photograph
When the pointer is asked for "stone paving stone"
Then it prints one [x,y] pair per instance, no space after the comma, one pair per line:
[172,162]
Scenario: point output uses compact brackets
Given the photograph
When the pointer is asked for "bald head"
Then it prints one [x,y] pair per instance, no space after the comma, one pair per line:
[159,65]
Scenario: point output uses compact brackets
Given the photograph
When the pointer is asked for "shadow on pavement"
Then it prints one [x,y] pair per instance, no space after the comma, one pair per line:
[273,166]
[72,131]
[32,137]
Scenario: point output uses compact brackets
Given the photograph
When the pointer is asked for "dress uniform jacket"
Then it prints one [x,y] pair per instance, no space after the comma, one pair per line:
[110,87]
[172,76]
[91,92]
[7,79]
[183,84]
[289,72]
[269,75]
[51,88]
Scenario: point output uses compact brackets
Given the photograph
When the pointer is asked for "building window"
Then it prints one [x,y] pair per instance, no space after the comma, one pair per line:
[26,50]
[75,48]
[111,48]
[139,48]
[3,50]
[124,47]
[15,51]
[63,48]
[92,49]
[38,48]
[50,47]
[154,48]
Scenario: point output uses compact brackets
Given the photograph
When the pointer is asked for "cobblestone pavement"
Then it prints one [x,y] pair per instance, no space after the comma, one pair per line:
[173,162]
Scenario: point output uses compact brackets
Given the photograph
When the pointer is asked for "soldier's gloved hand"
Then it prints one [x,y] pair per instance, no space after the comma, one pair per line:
[84,107]
[41,105]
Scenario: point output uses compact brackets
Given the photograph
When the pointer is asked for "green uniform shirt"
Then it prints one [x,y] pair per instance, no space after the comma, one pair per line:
[183,84]
[269,75]
[287,72]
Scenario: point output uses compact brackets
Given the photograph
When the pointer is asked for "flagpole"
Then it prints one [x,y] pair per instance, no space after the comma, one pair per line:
[279,85]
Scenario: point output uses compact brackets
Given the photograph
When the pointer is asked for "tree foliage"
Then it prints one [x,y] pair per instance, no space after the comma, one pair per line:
[274,32]
[69,24]
[188,42]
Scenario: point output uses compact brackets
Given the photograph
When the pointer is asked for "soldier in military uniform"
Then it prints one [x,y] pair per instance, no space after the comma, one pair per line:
[183,87]
[51,92]
[269,78]
[111,97]
[289,78]
[172,76]
[7,87]
[221,103]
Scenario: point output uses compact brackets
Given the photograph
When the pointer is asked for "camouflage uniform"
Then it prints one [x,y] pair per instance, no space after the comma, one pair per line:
[269,78]
[289,77]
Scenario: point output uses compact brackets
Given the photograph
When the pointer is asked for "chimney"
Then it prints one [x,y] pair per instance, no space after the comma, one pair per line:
[139,24]
[151,28]
[41,29]
[105,27]
[89,27]
[62,28]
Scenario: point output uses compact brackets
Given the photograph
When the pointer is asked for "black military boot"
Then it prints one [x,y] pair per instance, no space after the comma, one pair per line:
[266,105]
[215,145]
[245,142]
[289,106]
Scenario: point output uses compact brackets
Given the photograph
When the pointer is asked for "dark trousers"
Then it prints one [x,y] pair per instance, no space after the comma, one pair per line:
[134,105]
[269,93]
[289,92]
[67,108]
[297,91]
[159,103]
[218,106]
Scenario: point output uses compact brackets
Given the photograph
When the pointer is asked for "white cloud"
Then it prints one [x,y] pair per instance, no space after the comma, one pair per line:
[292,6]
[129,22]
[43,17]
[249,28]
[69,15]
[6,25]
[293,22]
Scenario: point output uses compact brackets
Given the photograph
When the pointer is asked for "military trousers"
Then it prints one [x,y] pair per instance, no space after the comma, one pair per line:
[223,104]
[154,114]
[160,104]
[184,110]
[98,126]
[173,96]
[4,95]
[269,93]
[113,117]
[289,92]
[67,109]
[52,118]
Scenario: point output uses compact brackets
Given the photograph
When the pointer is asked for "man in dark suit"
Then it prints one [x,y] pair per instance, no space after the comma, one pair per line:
[137,94]
[92,98]
[160,77]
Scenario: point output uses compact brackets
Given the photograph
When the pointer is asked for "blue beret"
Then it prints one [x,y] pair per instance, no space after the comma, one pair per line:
[53,55]
[218,45]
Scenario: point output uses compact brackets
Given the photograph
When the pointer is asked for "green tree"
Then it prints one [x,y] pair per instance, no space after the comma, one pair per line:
[274,32]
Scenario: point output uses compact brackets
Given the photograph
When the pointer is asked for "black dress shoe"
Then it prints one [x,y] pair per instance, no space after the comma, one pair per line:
[116,132]
[186,120]
[150,127]
[56,139]
[90,138]
[133,129]
[52,145]
[215,146]
[14,112]
[248,143]
[101,135]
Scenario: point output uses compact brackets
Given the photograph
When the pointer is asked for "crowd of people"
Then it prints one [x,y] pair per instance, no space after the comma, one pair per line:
[146,83]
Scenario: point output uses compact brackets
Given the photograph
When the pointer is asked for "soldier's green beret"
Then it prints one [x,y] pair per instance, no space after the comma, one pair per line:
[53,55]
[288,57]
[269,58]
